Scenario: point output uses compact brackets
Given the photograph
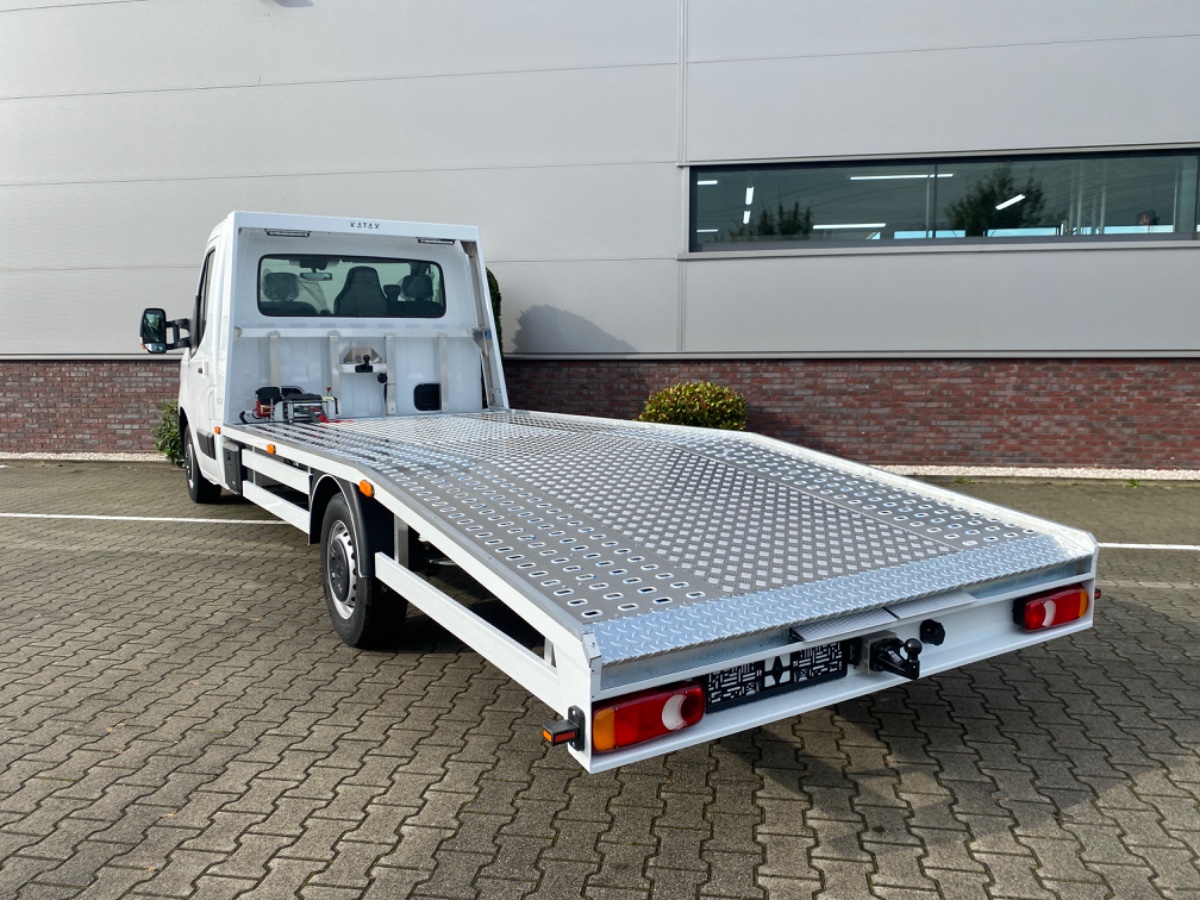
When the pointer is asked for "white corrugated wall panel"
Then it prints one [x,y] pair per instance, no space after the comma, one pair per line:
[1065,299]
[1101,94]
[524,119]
[82,312]
[127,130]
[763,29]
[527,216]
[47,5]
[172,44]
[590,306]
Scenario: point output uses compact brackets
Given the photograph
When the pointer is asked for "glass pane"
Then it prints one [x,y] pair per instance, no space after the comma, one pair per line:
[354,287]
[1002,199]
[1070,196]
[775,207]
[1150,195]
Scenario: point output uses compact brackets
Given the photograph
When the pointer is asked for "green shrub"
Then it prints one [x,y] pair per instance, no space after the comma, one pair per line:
[167,440]
[494,291]
[699,403]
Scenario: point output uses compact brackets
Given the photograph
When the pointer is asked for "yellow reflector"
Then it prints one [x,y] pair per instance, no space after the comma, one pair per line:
[365,487]
[270,448]
[216,429]
[604,730]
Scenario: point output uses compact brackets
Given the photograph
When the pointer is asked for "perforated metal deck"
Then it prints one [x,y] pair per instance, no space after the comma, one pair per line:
[655,538]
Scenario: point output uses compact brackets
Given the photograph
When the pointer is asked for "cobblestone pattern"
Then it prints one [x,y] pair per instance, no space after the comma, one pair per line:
[178,720]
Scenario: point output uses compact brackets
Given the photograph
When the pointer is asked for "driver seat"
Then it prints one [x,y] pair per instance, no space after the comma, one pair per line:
[361,295]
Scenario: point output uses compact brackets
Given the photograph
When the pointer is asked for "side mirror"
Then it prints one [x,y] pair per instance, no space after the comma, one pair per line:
[154,331]
[154,334]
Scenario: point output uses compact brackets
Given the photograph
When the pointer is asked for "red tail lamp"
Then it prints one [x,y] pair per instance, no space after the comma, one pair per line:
[1051,608]
[645,715]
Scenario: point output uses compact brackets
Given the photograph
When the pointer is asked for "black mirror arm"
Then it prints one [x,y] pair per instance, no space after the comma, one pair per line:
[180,340]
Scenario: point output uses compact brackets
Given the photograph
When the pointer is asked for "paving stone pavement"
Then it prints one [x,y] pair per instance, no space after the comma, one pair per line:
[177,719]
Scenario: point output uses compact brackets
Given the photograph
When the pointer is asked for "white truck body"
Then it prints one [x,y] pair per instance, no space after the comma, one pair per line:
[708,581]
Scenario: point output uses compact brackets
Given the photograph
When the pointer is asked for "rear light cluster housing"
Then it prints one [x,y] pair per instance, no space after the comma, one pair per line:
[1052,608]
[645,715]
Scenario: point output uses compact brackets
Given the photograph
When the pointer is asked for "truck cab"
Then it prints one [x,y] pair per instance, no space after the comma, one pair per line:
[330,318]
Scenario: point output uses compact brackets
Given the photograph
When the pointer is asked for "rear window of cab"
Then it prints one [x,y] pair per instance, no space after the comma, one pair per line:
[356,287]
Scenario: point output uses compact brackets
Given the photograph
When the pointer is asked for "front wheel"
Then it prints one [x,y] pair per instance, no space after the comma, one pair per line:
[200,489]
[364,613]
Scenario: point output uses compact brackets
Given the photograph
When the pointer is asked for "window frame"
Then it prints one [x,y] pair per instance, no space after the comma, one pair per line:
[357,260]
[201,306]
[700,172]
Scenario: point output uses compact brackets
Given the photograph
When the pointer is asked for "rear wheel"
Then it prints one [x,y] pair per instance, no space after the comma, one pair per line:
[200,489]
[363,611]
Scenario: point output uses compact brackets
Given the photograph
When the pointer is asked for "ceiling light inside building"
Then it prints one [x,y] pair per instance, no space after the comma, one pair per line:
[899,177]
[852,226]
[1010,201]
[708,182]
[749,195]
[707,230]
[746,217]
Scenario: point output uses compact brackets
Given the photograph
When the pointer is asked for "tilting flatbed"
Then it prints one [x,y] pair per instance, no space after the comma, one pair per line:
[686,583]
[646,549]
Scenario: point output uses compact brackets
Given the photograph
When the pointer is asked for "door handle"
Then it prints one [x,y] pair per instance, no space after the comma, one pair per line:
[199,370]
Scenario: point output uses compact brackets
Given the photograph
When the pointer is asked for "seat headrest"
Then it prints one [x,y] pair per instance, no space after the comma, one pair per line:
[281,287]
[418,287]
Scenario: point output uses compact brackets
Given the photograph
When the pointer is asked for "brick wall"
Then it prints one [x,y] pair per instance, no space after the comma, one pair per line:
[1086,412]
[1140,413]
[95,406]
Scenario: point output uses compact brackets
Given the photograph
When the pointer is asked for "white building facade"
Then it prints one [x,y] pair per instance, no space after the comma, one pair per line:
[668,182]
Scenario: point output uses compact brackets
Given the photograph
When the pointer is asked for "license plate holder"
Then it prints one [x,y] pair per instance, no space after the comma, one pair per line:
[777,675]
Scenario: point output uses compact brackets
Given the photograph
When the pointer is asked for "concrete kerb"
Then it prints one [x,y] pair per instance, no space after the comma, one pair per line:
[1045,472]
[84,456]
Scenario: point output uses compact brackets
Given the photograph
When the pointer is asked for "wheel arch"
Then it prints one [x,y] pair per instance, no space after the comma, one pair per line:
[371,522]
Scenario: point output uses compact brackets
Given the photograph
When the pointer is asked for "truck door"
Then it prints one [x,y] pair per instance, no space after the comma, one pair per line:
[200,371]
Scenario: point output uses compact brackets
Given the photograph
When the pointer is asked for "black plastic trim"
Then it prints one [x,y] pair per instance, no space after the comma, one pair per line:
[231,454]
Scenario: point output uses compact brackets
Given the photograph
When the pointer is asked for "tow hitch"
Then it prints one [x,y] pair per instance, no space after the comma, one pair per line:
[898,657]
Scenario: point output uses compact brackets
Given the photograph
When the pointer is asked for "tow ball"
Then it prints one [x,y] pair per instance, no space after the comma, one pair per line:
[898,657]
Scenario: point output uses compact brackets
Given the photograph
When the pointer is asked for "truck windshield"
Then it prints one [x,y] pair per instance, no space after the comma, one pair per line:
[350,287]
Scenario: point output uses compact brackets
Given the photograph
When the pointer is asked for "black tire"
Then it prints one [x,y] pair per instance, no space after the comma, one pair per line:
[200,489]
[363,611]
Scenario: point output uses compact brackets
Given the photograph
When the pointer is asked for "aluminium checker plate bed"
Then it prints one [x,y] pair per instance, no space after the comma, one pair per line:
[653,539]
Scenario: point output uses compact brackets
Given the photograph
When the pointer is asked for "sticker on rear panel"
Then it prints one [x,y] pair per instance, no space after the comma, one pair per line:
[732,685]
[787,671]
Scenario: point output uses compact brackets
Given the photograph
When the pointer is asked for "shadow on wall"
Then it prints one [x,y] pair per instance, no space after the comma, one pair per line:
[544,326]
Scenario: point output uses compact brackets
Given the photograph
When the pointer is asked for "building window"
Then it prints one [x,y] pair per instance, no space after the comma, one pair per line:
[1026,198]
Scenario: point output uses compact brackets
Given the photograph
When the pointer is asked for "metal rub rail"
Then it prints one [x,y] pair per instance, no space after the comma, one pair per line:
[654,539]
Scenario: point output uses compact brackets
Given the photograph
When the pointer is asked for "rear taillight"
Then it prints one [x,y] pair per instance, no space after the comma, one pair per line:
[649,714]
[1051,608]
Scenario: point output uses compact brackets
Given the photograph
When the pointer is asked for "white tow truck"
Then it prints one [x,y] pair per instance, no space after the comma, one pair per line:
[344,375]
